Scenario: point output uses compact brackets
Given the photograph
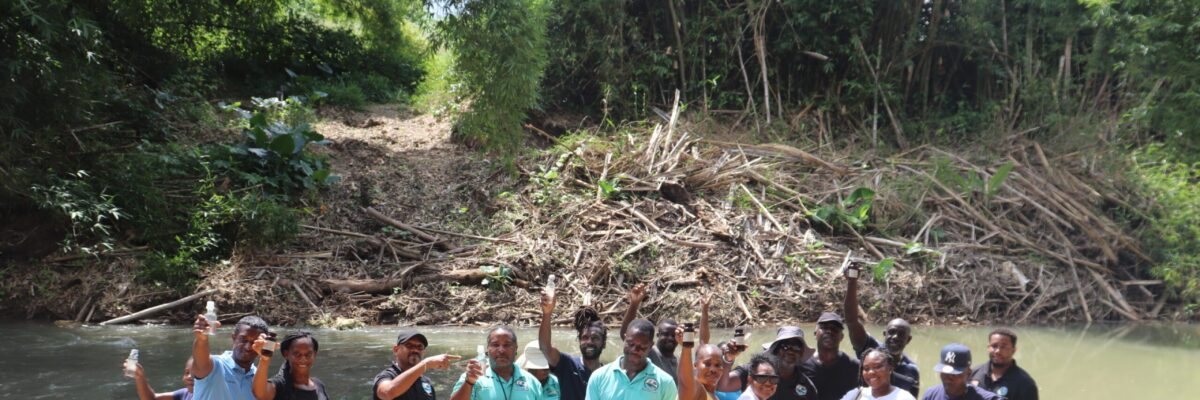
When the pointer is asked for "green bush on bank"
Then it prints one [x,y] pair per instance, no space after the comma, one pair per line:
[1173,234]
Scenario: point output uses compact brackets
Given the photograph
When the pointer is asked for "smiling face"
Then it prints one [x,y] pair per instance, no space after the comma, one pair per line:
[501,348]
[301,355]
[764,381]
[666,337]
[591,343]
[896,336]
[188,380]
[709,366]
[243,342]
[409,353]
[1001,350]
[876,371]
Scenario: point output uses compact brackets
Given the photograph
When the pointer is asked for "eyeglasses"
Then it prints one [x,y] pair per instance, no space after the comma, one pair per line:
[791,347]
[772,379]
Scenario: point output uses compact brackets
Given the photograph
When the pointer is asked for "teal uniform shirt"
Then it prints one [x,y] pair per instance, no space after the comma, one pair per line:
[521,386]
[550,389]
[611,383]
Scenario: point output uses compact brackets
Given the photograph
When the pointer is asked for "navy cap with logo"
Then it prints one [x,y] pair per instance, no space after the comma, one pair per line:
[409,334]
[831,317]
[955,359]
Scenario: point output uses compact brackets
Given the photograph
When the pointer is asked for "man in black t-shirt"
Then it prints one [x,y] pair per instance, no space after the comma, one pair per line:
[896,337]
[832,371]
[1000,374]
[405,378]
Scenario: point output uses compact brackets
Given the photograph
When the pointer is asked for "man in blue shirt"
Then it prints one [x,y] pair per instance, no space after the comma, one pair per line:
[896,337]
[228,376]
[573,372]
[632,376]
[954,367]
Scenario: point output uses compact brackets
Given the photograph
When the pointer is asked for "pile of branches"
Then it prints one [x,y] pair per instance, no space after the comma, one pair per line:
[765,230]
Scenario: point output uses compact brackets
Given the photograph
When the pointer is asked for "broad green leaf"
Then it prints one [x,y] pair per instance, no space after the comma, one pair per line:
[997,179]
[283,145]
[881,270]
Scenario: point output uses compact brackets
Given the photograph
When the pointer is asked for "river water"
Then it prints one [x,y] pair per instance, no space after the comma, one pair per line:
[1124,362]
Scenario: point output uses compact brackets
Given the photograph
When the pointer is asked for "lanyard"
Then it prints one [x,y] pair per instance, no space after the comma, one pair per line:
[500,382]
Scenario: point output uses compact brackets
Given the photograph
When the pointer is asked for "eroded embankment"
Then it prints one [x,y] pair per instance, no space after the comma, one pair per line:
[423,231]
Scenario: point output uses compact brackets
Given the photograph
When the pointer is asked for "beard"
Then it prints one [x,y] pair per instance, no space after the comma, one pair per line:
[590,352]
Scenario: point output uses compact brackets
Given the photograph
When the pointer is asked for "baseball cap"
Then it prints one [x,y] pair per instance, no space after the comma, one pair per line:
[831,317]
[408,334]
[533,357]
[954,359]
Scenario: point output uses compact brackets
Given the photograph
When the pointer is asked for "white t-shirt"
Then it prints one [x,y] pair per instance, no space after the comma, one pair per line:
[896,394]
[748,395]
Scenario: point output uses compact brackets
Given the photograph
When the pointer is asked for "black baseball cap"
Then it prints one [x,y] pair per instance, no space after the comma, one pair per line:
[409,334]
[831,317]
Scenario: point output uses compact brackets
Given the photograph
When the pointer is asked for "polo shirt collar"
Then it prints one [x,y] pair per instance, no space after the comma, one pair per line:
[233,365]
[620,369]
[1011,369]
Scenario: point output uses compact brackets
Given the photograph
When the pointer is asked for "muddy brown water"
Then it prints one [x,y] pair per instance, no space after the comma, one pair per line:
[1093,362]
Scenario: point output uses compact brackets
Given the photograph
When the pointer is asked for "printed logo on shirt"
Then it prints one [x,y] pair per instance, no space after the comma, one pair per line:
[801,390]
[651,385]
[551,391]
[428,388]
[1002,391]
[520,384]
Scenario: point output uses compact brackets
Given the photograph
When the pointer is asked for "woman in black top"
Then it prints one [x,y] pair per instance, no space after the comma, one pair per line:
[293,381]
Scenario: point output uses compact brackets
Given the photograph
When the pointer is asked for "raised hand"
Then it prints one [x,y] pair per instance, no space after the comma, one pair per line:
[474,371]
[440,361]
[679,334]
[200,327]
[259,344]
[637,294]
[548,299]
[705,300]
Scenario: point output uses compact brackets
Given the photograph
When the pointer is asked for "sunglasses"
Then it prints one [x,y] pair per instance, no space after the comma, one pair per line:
[791,347]
[772,379]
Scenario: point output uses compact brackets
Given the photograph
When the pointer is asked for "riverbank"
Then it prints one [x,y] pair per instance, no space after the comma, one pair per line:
[424,231]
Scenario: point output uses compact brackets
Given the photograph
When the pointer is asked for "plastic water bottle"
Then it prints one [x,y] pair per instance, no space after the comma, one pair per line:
[131,364]
[550,282]
[210,314]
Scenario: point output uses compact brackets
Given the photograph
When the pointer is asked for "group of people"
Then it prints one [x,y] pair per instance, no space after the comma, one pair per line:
[647,368]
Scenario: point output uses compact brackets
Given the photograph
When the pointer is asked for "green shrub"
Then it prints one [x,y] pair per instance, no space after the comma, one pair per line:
[1173,234]
[501,55]
[275,156]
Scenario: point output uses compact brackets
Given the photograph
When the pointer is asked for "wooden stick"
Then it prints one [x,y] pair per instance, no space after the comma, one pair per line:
[158,308]
[305,297]
[421,234]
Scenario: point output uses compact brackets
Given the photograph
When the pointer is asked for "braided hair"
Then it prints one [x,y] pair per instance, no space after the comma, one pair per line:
[587,317]
[285,371]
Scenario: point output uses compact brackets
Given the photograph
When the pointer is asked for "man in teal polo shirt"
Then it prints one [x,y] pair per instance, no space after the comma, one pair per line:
[230,375]
[500,378]
[632,376]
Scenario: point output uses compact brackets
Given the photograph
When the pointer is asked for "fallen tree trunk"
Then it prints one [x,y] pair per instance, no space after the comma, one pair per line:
[469,277]
[156,309]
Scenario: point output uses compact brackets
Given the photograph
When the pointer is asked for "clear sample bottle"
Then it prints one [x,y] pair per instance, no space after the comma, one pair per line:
[689,334]
[210,314]
[550,282]
[739,339]
[270,346]
[131,364]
